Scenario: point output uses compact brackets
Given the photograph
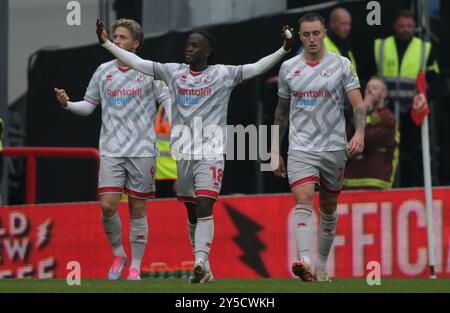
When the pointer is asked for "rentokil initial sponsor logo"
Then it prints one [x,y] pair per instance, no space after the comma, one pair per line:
[191,96]
[122,96]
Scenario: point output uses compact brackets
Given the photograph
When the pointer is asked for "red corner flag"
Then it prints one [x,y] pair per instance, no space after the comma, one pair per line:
[420,107]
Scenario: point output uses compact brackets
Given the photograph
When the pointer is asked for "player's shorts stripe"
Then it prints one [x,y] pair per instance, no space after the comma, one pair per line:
[139,195]
[185,199]
[206,193]
[304,181]
[103,190]
[328,190]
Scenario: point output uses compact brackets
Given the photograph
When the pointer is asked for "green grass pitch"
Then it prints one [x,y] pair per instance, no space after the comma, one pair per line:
[228,286]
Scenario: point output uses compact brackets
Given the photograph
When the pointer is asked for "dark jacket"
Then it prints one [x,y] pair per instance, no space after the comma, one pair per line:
[377,165]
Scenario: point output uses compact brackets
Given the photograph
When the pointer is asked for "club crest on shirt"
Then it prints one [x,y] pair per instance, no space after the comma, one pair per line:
[206,79]
[326,72]
[297,73]
[109,76]
[139,78]
[183,78]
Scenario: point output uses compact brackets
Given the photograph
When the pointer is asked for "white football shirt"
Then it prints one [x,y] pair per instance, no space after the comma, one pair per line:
[128,99]
[316,92]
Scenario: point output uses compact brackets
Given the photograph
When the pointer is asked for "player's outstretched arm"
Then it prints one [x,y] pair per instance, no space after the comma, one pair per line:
[250,71]
[130,59]
[356,144]
[82,108]
[281,119]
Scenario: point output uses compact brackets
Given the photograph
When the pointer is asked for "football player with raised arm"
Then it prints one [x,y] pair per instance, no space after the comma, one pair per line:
[200,91]
[128,100]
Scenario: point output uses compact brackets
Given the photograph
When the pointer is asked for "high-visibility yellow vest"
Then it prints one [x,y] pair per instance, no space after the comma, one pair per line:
[404,74]
[331,46]
[166,165]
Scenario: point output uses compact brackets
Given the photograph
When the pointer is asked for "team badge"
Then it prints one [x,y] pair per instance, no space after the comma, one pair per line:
[206,79]
[297,73]
[109,77]
[326,72]
[139,78]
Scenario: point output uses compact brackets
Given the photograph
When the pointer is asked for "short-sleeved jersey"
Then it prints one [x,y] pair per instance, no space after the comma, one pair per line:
[128,99]
[316,92]
[199,102]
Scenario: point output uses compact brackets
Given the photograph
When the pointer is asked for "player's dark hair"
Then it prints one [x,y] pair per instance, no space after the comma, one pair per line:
[311,17]
[403,13]
[211,41]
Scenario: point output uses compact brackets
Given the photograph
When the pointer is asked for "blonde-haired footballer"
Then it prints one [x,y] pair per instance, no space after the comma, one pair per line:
[127,143]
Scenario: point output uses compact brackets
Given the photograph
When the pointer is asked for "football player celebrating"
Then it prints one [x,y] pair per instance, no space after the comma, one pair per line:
[127,143]
[199,89]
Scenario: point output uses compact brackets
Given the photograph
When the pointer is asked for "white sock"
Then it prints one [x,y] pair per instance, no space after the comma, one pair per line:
[113,230]
[138,240]
[327,230]
[191,232]
[204,234]
[303,231]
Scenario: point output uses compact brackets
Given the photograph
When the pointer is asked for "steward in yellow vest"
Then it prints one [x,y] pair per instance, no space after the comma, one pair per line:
[338,32]
[399,58]
[415,56]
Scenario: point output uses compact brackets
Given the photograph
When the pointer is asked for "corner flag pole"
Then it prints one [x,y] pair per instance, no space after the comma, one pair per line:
[428,194]
[425,25]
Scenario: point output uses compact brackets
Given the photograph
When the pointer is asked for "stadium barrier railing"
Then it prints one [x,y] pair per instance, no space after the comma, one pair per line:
[32,153]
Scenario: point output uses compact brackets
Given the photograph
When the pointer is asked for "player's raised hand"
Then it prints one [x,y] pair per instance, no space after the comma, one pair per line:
[286,33]
[369,101]
[61,96]
[101,32]
[281,170]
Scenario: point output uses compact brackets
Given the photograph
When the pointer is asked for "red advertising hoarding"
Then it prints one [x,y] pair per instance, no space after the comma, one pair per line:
[253,236]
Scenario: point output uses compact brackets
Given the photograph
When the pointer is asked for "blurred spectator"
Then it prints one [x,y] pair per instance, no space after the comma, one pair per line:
[399,58]
[376,167]
[337,39]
